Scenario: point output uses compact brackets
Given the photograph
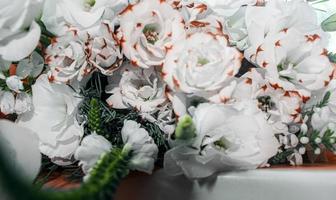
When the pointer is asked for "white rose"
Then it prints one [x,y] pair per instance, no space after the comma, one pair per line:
[104,51]
[14,83]
[67,59]
[91,150]
[144,150]
[58,15]
[222,143]
[202,65]
[7,102]
[138,88]
[20,34]
[148,30]
[23,103]
[53,120]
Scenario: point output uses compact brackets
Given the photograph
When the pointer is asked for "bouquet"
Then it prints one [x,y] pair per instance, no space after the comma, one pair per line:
[195,87]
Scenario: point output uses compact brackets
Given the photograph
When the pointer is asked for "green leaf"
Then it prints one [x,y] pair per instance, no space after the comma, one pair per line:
[329,25]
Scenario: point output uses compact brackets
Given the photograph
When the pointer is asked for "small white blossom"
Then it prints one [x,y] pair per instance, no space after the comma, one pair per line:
[143,148]
[92,148]
[14,83]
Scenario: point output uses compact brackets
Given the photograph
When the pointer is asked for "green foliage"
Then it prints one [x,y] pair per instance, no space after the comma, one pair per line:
[332,57]
[329,25]
[329,140]
[94,114]
[281,158]
[325,100]
[101,185]
[185,129]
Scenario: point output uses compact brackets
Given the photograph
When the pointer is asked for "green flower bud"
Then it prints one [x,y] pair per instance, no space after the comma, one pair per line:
[185,129]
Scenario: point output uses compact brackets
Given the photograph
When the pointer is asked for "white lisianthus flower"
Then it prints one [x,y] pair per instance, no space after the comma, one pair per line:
[53,120]
[202,65]
[20,34]
[138,88]
[143,148]
[66,58]
[7,102]
[222,143]
[20,148]
[104,51]
[148,31]
[92,148]
[23,103]
[290,50]
[14,83]
[58,15]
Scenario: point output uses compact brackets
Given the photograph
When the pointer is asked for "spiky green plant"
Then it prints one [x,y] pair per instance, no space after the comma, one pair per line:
[94,116]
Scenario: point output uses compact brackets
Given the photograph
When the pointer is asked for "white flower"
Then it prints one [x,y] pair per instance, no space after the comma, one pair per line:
[66,58]
[222,143]
[58,15]
[20,34]
[280,105]
[229,7]
[14,83]
[104,51]
[144,150]
[202,65]
[53,120]
[20,147]
[191,10]
[138,88]
[7,102]
[148,30]
[91,150]
[23,103]
[286,41]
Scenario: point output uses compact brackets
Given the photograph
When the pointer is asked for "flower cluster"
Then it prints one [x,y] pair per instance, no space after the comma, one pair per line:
[172,79]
